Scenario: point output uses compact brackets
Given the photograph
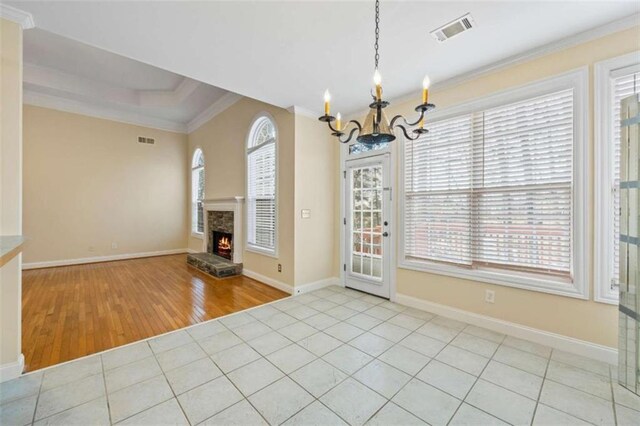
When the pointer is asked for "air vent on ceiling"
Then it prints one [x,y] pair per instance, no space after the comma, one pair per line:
[142,139]
[452,29]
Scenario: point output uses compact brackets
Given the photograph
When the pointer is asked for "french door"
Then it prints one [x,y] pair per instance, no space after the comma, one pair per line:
[367,227]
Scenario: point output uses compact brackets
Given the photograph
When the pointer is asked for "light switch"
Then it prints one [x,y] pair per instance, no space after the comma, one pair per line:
[306,213]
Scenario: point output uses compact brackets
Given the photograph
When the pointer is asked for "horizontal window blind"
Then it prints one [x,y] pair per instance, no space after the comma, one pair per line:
[623,86]
[197,192]
[261,197]
[494,188]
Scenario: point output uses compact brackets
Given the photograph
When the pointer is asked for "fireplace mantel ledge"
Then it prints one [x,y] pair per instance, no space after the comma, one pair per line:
[223,200]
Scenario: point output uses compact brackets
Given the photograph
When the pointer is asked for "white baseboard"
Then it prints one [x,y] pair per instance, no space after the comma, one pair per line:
[12,370]
[269,281]
[96,259]
[556,341]
[316,285]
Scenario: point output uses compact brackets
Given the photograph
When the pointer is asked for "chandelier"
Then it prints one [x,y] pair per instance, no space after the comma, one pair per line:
[377,128]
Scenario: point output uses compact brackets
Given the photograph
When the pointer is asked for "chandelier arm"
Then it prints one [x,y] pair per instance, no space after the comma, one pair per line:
[358,126]
[350,136]
[398,117]
[406,134]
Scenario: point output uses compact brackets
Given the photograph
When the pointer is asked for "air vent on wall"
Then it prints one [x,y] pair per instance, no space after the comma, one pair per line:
[142,139]
[453,28]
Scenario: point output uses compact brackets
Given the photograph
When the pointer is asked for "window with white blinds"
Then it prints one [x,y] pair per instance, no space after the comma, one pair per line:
[491,191]
[261,186]
[616,79]
[197,192]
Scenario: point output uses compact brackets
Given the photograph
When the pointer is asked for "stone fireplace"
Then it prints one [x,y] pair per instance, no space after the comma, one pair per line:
[224,215]
[222,235]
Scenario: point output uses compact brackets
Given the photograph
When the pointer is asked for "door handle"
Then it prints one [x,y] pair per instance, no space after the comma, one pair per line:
[385,234]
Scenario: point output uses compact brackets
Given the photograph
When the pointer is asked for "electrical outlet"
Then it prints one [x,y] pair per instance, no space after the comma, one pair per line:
[114,246]
[92,248]
[279,267]
[489,296]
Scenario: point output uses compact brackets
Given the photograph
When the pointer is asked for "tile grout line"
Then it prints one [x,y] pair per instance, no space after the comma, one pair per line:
[35,409]
[464,399]
[613,399]
[544,379]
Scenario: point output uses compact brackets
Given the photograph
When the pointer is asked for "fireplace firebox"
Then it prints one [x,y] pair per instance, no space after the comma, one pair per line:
[222,244]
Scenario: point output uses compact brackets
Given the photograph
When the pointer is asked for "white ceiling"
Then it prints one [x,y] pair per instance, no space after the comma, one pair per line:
[61,72]
[286,53]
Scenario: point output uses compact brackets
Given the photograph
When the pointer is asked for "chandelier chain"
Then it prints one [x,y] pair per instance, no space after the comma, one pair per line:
[377,56]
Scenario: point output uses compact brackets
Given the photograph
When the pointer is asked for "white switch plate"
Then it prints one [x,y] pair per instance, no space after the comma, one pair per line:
[305,213]
[490,296]
[114,246]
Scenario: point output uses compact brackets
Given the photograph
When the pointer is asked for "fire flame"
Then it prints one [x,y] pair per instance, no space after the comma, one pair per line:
[224,244]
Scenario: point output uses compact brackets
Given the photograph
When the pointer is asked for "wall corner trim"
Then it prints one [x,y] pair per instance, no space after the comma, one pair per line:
[20,17]
[298,110]
[216,108]
[96,259]
[553,340]
[12,370]
[316,285]
[268,281]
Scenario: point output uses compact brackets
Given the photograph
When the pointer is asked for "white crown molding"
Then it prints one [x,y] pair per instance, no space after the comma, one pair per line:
[20,17]
[158,98]
[298,110]
[528,55]
[31,97]
[216,108]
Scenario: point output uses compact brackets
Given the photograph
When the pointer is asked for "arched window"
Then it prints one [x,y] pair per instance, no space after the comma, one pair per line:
[197,192]
[261,186]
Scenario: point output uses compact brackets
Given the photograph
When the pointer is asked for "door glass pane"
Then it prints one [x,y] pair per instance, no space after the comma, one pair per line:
[366,219]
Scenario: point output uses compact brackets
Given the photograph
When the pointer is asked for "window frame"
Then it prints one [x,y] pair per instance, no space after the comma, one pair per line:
[577,80]
[248,150]
[604,71]
[194,230]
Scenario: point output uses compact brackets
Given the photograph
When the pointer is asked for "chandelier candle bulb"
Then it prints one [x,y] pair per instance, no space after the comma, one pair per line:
[425,89]
[338,122]
[377,80]
[327,100]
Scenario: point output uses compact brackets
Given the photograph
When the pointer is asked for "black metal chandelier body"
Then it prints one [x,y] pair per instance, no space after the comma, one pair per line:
[377,128]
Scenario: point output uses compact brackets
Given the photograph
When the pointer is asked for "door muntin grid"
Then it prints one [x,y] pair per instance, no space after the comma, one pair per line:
[366,240]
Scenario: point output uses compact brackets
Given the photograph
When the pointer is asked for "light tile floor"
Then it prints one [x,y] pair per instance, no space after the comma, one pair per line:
[331,357]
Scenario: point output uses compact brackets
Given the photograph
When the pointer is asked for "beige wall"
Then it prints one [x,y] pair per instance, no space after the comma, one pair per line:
[88,183]
[581,319]
[315,176]
[223,140]
[10,187]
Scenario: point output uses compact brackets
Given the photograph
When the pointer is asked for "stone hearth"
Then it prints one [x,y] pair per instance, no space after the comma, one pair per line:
[214,265]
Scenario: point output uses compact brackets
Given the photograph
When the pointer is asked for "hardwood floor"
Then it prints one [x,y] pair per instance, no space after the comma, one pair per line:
[72,311]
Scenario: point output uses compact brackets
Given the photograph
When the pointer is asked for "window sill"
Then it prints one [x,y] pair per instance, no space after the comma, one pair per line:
[262,251]
[198,235]
[549,285]
[610,298]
